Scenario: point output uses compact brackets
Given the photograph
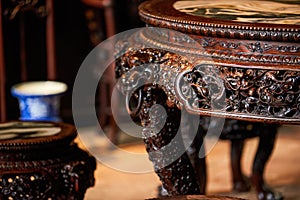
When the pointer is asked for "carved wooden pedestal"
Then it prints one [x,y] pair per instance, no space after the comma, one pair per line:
[41,161]
[202,69]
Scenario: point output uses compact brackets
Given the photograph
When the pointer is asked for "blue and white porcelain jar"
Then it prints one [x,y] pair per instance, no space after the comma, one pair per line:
[39,100]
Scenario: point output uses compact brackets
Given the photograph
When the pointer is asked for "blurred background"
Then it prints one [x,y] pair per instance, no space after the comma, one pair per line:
[78,25]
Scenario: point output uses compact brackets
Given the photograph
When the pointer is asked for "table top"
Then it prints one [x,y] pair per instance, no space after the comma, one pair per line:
[270,20]
[230,31]
[258,11]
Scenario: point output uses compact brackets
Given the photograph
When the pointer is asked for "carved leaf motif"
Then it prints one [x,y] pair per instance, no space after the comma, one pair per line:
[227,89]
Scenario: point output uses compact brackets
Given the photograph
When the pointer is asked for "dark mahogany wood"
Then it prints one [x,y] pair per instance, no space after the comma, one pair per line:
[245,72]
[41,161]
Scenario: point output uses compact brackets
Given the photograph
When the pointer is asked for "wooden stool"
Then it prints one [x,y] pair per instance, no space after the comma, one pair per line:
[41,161]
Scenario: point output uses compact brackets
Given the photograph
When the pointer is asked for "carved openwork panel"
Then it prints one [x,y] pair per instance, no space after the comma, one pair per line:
[149,66]
[256,93]
[223,90]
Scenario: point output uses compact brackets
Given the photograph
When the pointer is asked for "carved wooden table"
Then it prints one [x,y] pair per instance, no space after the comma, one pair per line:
[238,60]
[41,161]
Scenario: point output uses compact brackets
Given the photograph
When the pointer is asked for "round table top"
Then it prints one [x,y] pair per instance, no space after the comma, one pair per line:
[257,11]
[270,20]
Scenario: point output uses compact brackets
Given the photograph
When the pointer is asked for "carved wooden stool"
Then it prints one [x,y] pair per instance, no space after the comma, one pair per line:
[41,161]
[224,61]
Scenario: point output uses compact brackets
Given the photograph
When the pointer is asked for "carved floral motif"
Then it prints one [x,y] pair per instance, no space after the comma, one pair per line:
[262,94]
[225,49]
[149,66]
[265,93]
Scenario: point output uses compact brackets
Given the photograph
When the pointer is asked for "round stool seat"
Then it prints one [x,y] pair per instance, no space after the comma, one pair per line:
[40,160]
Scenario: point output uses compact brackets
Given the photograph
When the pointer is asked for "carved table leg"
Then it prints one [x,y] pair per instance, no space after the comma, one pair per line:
[266,143]
[240,182]
[237,132]
[196,151]
[173,167]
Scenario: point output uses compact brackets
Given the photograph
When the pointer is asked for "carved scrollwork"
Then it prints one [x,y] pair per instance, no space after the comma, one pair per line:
[202,87]
[253,92]
[263,92]
[215,89]
[225,49]
[242,45]
[149,66]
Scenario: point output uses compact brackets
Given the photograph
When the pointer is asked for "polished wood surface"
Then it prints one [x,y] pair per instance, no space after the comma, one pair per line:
[40,160]
[244,47]
[245,72]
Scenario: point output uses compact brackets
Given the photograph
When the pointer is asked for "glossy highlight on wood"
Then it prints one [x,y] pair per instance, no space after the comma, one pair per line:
[39,160]
[244,71]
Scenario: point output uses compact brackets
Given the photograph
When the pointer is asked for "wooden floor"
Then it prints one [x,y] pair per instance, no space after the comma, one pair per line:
[282,172]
